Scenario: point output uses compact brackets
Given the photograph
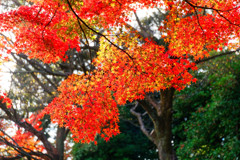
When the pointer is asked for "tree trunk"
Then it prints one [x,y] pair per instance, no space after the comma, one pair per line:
[61,136]
[163,126]
[164,137]
[161,116]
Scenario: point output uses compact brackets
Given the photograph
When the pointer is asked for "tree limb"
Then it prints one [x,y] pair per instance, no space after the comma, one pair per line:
[193,5]
[15,117]
[140,121]
[20,149]
[47,69]
[154,104]
[218,55]
[143,30]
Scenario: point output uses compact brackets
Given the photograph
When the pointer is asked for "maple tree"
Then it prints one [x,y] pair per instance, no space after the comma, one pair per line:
[32,87]
[130,64]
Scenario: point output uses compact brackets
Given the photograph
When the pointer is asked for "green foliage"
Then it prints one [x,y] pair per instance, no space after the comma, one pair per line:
[209,113]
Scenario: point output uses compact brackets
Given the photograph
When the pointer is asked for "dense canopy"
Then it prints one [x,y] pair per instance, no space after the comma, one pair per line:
[130,63]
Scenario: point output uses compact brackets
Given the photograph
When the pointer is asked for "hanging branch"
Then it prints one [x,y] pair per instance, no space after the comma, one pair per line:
[54,14]
[88,46]
[210,7]
[217,10]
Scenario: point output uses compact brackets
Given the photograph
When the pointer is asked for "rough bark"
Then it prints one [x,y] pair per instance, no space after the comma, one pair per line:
[163,127]
[161,116]
[61,136]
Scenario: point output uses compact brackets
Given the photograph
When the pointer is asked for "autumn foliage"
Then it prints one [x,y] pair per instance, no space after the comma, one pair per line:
[24,139]
[133,66]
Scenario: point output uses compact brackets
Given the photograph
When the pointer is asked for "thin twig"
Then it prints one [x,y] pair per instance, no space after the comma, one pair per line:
[193,5]
[49,22]
[217,10]
[85,36]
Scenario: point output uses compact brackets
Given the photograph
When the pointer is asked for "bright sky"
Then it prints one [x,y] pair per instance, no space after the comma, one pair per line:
[5,76]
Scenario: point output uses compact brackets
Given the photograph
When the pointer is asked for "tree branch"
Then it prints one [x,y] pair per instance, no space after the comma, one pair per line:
[218,55]
[154,104]
[217,10]
[143,30]
[140,121]
[17,3]
[85,36]
[15,117]
[20,149]
[47,70]
[45,88]
[193,5]
[150,110]
[70,6]
[54,14]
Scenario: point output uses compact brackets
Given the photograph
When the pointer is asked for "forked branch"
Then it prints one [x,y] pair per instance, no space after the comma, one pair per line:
[140,121]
